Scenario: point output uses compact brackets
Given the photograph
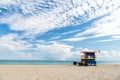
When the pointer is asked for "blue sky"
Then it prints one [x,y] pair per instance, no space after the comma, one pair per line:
[59,29]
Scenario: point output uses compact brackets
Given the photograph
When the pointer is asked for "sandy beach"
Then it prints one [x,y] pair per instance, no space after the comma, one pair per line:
[59,72]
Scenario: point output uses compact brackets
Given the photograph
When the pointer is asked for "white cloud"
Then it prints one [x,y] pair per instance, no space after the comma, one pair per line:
[57,51]
[10,47]
[12,42]
[63,34]
[106,40]
[0,11]
[13,48]
[8,37]
[112,38]
[116,37]
[86,49]
[6,2]
[37,17]
[111,55]
[107,26]
[75,39]
[7,54]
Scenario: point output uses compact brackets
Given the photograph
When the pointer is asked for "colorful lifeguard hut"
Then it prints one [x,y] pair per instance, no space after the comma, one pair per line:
[87,58]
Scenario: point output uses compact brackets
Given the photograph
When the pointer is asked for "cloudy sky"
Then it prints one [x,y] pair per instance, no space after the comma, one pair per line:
[59,29]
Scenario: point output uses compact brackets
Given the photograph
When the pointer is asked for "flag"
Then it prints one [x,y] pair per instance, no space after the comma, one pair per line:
[99,51]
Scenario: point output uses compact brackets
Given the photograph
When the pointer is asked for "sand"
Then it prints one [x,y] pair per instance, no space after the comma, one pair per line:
[59,72]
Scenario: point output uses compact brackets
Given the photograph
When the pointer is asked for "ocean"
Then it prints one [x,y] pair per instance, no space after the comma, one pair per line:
[40,62]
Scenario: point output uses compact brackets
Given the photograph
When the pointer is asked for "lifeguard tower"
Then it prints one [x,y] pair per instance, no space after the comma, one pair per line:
[88,58]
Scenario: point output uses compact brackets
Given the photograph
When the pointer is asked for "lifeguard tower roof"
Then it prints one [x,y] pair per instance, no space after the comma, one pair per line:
[88,52]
